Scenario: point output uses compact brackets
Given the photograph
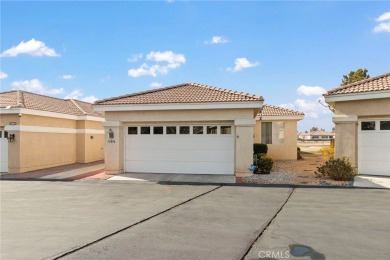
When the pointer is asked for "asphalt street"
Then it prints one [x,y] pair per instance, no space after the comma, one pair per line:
[122,220]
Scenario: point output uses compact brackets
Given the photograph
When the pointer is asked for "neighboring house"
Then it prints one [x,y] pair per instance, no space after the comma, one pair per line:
[188,128]
[38,132]
[316,136]
[277,127]
[362,119]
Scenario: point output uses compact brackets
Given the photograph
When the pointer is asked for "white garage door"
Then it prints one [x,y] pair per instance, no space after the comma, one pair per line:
[188,149]
[3,151]
[374,147]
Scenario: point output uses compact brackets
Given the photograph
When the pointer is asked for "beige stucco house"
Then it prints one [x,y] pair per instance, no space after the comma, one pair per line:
[38,132]
[188,128]
[362,119]
[277,127]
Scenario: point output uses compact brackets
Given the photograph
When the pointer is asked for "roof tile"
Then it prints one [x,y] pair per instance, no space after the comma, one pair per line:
[269,110]
[378,83]
[183,93]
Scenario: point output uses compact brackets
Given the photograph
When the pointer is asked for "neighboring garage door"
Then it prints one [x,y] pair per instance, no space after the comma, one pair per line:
[3,151]
[187,149]
[374,147]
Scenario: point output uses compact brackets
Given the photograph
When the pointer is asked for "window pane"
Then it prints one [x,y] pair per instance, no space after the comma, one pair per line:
[184,130]
[132,130]
[211,130]
[145,130]
[1,134]
[171,130]
[5,134]
[266,132]
[197,130]
[368,125]
[385,125]
[226,130]
[277,132]
[158,130]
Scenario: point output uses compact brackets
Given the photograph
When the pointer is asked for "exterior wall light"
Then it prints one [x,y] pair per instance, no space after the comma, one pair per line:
[11,138]
[110,134]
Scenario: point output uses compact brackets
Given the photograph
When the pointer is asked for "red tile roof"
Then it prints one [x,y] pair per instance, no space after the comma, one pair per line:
[24,99]
[378,83]
[183,93]
[269,110]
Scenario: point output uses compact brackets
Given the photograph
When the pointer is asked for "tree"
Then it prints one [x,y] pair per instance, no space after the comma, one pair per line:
[355,76]
[313,129]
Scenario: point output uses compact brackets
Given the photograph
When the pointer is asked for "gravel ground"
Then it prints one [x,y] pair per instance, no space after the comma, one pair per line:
[300,172]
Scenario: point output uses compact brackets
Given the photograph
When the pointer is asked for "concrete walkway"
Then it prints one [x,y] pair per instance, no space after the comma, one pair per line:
[74,174]
[174,178]
[366,181]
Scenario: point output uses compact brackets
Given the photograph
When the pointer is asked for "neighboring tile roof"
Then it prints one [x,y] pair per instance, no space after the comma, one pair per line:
[23,99]
[378,83]
[183,93]
[316,133]
[269,110]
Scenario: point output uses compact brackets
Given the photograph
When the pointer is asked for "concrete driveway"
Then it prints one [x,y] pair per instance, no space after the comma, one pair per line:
[122,220]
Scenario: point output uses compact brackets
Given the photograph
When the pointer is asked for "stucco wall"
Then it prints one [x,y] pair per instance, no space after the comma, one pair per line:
[42,147]
[347,114]
[285,151]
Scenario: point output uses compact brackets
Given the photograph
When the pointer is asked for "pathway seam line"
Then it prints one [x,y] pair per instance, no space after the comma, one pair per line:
[267,225]
[61,255]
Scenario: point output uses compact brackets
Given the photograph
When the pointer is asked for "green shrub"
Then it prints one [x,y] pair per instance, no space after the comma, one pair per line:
[260,148]
[264,163]
[339,169]
[299,155]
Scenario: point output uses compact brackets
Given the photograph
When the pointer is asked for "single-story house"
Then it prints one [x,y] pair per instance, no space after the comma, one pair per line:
[316,136]
[277,127]
[38,132]
[187,128]
[362,119]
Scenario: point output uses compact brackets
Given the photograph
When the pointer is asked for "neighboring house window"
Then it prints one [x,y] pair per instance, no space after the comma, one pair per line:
[272,132]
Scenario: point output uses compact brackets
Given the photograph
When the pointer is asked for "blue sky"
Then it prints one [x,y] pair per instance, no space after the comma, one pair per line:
[286,51]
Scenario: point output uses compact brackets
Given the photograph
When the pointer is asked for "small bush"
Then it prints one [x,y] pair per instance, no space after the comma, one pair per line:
[339,169]
[327,152]
[260,148]
[264,163]
[299,155]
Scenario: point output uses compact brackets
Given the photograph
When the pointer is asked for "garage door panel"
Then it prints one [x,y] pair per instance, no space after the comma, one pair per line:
[196,154]
[374,151]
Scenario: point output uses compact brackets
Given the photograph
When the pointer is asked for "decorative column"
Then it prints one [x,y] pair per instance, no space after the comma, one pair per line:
[113,147]
[244,146]
[346,140]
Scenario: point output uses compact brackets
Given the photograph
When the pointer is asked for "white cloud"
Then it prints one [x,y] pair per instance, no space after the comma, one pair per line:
[217,40]
[3,75]
[173,61]
[155,85]
[167,56]
[383,17]
[311,107]
[31,47]
[382,27]
[135,57]
[35,86]
[310,91]
[78,94]
[68,76]
[242,63]
[384,24]
[89,99]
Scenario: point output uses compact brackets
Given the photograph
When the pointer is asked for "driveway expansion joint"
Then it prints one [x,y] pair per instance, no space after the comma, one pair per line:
[61,255]
[268,224]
